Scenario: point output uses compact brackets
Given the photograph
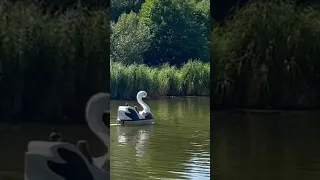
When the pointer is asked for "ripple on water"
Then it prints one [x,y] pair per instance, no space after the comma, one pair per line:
[175,147]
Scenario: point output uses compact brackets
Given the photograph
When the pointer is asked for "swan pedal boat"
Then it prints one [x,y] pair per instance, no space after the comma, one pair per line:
[62,160]
[129,115]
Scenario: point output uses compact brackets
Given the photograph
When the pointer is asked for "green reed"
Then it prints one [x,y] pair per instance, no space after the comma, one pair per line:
[51,63]
[193,78]
[267,55]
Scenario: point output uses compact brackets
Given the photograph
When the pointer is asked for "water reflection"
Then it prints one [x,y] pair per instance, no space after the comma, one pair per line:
[176,147]
[278,146]
[136,136]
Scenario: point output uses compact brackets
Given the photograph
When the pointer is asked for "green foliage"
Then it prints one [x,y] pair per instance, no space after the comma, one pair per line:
[164,34]
[51,64]
[267,55]
[181,30]
[130,39]
[59,6]
[192,78]
[168,31]
[124,6]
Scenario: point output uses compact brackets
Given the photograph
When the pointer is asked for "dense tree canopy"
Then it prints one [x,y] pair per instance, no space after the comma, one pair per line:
[124,6]
[160,31]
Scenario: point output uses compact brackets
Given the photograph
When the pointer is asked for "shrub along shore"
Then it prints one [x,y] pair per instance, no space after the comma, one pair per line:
[192,79]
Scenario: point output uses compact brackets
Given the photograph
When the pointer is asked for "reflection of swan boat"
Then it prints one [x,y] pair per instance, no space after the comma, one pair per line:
[135,136]
[63,161]
[130,115]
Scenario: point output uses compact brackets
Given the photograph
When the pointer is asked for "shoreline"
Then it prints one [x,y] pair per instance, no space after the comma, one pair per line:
[161,97]
[266,111]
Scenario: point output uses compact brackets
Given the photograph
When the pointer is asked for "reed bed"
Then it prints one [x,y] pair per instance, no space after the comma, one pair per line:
[267,56]
[192,79]
[51,64]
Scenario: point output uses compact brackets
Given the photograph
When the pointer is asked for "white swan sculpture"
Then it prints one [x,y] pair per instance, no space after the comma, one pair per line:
[63,161]
[129,115]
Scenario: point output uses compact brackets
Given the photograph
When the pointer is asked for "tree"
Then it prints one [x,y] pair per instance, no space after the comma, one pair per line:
[181,30]
[124,6]
[130,39]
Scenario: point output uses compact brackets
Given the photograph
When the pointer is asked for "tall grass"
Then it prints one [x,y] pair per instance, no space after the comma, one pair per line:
[267,55]
[51,63]
[193,78]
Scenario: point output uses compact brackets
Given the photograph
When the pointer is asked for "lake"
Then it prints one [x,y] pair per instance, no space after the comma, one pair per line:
[14,142]
[244,146]
[177,146]
[266,146]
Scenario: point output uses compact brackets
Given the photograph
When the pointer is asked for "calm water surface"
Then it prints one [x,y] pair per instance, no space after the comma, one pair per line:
[14,142]
[266,147]
[244,146]
[177,146]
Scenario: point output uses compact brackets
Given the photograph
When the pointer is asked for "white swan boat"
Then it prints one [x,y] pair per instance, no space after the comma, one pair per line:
[63,161]
[130,115]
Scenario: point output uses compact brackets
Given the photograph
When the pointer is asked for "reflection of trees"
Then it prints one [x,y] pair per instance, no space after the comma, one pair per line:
[266,147]
[181,132]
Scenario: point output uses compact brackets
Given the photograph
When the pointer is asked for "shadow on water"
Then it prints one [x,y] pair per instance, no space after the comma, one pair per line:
[176,147]
[275,146]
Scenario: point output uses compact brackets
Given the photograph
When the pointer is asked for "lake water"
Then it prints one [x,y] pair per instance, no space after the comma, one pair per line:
[14,140]
[244,146]
[266,146]
[177,146]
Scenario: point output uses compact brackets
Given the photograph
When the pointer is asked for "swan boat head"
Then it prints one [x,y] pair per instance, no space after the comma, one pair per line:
[63,160]
[128,114]
[98,106]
